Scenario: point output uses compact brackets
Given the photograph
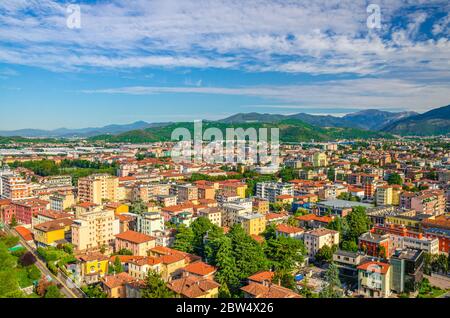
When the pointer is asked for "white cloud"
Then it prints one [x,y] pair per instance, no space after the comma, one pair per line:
[316,37]
[358,94]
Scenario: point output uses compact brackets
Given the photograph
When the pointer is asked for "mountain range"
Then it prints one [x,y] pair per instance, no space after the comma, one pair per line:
[370,119]
[81,133]
[434,122]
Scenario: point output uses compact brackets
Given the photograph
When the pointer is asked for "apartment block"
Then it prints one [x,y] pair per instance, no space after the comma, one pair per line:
[93,229]
[316,239]
[98,188]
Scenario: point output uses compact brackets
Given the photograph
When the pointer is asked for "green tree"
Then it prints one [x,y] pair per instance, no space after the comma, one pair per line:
[138,207]
[301,212]
[7,261]
[33,272]
[227,274]
[331,174]
[125,251]
[358,223]
[184,239]
[117,266]
[285,279]
[395,178]
[333,283]
[8,282]
[53,292]
[285,253]
[155,287]
[248,253]
[292,221]
[200,228]
[94,291]
[13,221]
[339,224]
[287,174]
[325,254]
[350,246]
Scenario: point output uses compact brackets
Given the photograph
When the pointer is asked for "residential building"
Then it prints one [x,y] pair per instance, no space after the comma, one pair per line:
[138,243]
[407,270]
[187,193]
[260,205]
[98,188]
[338,207]
[15,187]
[270,190]
[212,214]
[194,287]
[27,209]
[347,263]
[316,239]
[267,290]
[253,223]
[139,268]
[52,233]
[289,231]
[7,211]
[151,224]
[319,159]
[91,268]
[384,195]
[61,201]
[115,285]
[93,229]
[375,244]
[374,279]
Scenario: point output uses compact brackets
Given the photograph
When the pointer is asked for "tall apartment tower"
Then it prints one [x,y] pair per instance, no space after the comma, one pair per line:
[98,188]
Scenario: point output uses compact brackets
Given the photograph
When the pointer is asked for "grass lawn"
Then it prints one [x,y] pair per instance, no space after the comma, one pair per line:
[434,293]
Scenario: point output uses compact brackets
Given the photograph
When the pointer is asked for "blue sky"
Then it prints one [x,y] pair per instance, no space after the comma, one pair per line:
[193,59]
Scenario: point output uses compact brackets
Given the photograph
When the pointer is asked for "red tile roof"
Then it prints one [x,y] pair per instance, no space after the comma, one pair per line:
[284,228]
[192,287]
[24,233]
[271,291]
[262,276]
[200,268]
[114,281]
[375,267]
[135,237]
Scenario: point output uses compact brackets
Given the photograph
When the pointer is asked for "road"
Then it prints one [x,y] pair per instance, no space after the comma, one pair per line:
[64,288]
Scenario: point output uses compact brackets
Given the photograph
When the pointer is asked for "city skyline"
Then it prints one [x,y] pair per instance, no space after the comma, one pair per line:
[171,61]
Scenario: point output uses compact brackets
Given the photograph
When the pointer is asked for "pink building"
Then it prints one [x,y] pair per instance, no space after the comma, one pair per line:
[139,244]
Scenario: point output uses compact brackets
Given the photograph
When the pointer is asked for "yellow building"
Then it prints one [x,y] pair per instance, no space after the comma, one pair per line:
[396,192]
[384,195]
[92,266]
[405,220]
[61,201]
[118,208]
[320,159]
[52,232]
[98,188]
[253,224]
[260,205]
[284,199]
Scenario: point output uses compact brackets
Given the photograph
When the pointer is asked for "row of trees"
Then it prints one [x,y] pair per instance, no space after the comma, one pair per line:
[238,256]
[76,168]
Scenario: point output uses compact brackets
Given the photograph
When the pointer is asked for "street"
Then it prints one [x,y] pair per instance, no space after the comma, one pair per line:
[66,290]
